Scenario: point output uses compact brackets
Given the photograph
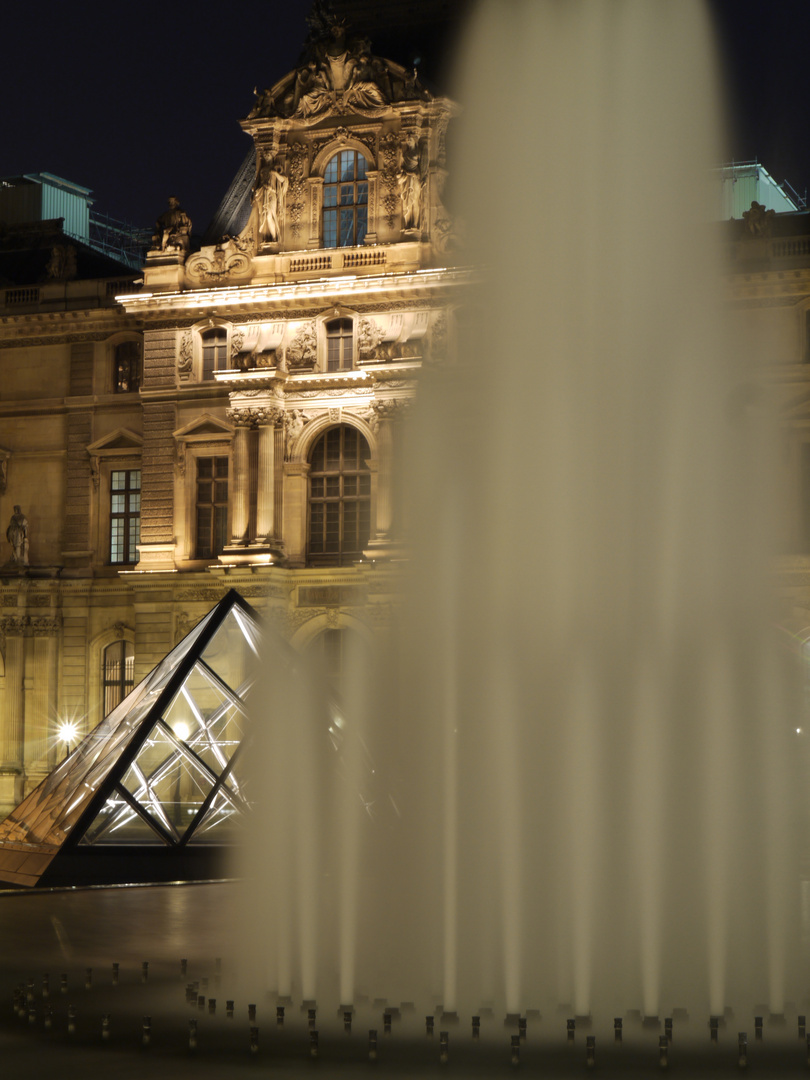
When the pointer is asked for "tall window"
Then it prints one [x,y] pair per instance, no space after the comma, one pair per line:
[339,497]
[127,374]
[345,200]
[117,673]
[214,351]
[125,515]
[212,506]
[339,345]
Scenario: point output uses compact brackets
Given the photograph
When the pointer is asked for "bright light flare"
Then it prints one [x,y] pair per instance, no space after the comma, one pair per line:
[181,730]
[67,731]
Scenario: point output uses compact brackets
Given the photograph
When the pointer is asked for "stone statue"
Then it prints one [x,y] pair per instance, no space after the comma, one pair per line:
[759,221]
[17,536]
[294,424]
[172,229]
[411,180]
[269,195]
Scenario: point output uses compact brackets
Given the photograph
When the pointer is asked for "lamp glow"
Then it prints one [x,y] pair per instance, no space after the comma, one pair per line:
[67,732]
[181,730]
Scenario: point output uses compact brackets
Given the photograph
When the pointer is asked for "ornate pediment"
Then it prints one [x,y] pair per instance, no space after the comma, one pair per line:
[120,441]
[204,427]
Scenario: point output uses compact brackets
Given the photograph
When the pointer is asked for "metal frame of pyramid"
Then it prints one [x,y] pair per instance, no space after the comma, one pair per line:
[154,791]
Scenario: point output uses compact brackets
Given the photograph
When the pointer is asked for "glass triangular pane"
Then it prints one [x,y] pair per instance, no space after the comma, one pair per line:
[221,822]
[118,823]
[233,651]
[167,782]
[207,718]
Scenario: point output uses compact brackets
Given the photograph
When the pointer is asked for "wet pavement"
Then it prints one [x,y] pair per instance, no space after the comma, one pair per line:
[63,933]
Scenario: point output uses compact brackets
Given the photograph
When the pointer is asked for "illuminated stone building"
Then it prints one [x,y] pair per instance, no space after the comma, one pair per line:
[230,421]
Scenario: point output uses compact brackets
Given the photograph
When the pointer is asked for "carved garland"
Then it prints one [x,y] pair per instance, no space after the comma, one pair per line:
[389,160]
[297,168]
[185,357]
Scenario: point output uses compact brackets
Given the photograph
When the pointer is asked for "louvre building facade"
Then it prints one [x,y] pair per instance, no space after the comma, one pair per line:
[227,418]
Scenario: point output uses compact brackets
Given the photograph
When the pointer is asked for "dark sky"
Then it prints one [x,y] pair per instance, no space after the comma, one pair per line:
[141,100]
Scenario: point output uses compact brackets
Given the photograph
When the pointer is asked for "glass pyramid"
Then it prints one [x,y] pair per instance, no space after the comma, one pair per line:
[162,770]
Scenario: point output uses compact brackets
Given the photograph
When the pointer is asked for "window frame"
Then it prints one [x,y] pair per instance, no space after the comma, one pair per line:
[126,516]
[345,336]
[334,211]
[341,499]
[125,682]
[215,504]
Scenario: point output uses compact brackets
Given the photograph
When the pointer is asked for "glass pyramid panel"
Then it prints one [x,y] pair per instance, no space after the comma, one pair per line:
[53,808]
[207,718]
[167,782]
[118,823]
[221,821]
[233,651]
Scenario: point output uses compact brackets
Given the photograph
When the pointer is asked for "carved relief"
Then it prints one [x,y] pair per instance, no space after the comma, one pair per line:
[297,163]
[335,415]
[237,344]
[294,422]
[217,265]
[302,350]
[369,336]
[185,357]
[389,160]
[254,415]
[95,473]
[339,75]
[438,337]
[388,409]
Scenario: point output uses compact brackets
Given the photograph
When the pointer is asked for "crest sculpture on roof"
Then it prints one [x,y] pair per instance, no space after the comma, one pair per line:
[339,75]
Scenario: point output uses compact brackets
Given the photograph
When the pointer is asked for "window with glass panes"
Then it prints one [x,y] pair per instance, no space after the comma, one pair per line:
[125,515]
[339,497]
[214,351]
[345,200]
[211,506]
[339,345]
[127,375]
[117,673]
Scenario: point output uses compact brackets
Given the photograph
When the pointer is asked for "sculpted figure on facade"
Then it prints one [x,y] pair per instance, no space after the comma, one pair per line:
[302,350]
[411,182]
[17,536]
[172,229]
[294,422]
[62,263]
[759,221]
[269,196]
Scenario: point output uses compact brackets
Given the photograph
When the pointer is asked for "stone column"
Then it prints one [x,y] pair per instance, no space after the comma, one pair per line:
[385,505]
[265,493]
[315,206]
[240,499]
[15,658]
[384,415]
[371,234]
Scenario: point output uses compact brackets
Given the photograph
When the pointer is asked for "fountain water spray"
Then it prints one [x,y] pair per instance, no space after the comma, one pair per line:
[581,720]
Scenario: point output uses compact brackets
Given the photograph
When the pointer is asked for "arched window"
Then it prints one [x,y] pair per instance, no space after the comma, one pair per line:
[214,351]
[127,367]
[339,345]
[339,497]
[345,200]
[117,673]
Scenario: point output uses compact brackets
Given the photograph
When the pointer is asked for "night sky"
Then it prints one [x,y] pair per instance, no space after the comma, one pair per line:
[140,101]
